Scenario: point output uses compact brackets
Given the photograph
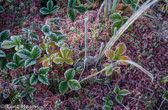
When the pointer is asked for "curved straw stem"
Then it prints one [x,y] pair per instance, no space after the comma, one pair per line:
[118,62]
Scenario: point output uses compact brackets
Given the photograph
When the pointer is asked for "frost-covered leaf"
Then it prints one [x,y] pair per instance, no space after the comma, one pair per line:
[31,90]
[28,46]
[63,87]
[50,4]
[115,17]
[119,98]
[36,52]
[15,81]
[105,99]
[29,62]
[57,38]
[121,48]
[21,63]
[24,53]
[4,35]
[1,9]
[69,61]
[3,63]
[12,66]
[57,33]
[58,60]
[69,74]
[23,94]
[80,9]
[22,84]
[22,78]
[44,11]
[2,54]
[43,79]
[127,2]
[8,44]
[71,15]
[116,24]
[46,30]
[71,3]
[16,59]
[124,92]
[106,107]
[117,90]
[109,54]
[65,53]
[35,37]
[74,84]
[16,40]
[54,9]
[43,70]
[33,79]
[109,72]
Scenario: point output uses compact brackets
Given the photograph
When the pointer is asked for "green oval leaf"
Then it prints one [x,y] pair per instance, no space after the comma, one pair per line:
[63,87]
[35,37]
[74,84]
[119,98]
[69,74]
[109,54]
[46,30]
[2,54]
[15,81]
[50,4]
[22,78]
[43,70]
[16,40]
[30,62]
[71,15]
[8,44]
[1,9]
[106,107]
[127,2]
[43,79]
[58,60]
[54,9]
[117,90]
[44,11]
[124,92]
[80,9]
[36,52]
[23,94]
[16,59]
[4,35]
[33,79]
[31,90]
[71,3]
[115,17]
[3,63]
[69,61]
[24,53]
[12,66]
